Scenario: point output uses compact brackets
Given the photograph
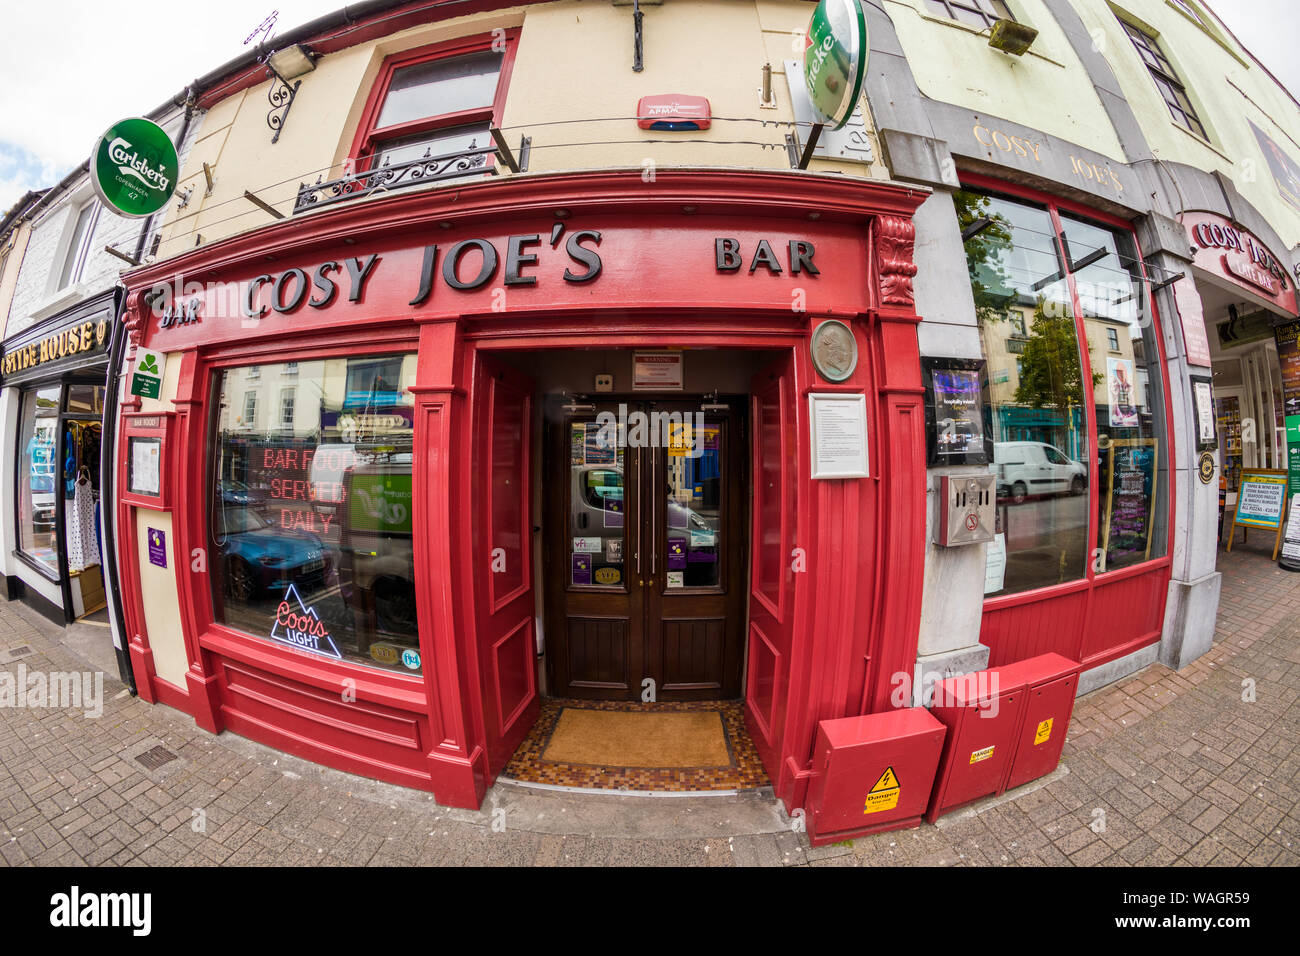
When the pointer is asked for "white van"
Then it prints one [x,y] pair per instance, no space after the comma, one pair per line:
[1027,468]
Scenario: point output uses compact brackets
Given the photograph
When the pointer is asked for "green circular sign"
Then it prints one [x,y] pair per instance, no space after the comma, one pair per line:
[835,59]
[134,167]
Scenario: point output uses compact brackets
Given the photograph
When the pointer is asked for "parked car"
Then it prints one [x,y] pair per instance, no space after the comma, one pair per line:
[261,559]
[1027,468]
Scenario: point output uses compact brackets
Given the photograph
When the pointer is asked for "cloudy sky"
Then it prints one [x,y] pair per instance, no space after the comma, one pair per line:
[108,61]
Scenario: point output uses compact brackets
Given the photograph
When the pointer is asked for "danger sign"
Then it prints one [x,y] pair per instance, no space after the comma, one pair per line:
[884,795]
[1043,732]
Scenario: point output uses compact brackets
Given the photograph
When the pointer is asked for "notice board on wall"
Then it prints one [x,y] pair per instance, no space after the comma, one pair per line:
[1130,498]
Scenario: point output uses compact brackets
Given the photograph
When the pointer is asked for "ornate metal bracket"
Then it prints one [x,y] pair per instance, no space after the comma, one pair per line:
[280,96]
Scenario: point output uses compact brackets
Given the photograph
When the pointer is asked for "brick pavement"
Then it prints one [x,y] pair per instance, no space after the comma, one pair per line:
[1180,767]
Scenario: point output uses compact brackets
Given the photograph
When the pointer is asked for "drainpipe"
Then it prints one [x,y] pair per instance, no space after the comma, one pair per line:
[107,462]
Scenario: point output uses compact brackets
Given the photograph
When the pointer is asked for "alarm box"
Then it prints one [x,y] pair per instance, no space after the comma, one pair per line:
[673,112]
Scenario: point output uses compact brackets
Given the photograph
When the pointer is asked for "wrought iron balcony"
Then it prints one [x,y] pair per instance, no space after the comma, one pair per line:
[467,162]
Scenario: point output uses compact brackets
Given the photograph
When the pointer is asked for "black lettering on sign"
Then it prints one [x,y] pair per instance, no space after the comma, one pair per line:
[726,253]
[516,259]
[278,301]
[583,256]
[765,257]
[324,285]
[486,270]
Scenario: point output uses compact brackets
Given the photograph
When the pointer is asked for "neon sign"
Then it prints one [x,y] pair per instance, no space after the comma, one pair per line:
[302,628]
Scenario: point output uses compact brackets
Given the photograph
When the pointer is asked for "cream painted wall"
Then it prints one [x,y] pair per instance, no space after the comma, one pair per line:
[1226,87]
[1047,88]
[714,48]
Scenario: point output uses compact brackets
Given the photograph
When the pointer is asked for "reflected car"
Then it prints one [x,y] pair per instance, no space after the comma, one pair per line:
[1027,468]
[237,493]
[261,559]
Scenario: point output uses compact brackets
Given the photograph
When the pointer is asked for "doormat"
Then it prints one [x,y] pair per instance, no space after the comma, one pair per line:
[616,745]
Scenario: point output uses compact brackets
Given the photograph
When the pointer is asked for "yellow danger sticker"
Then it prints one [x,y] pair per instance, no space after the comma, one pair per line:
[884,795]
[1044,731]
[978,755]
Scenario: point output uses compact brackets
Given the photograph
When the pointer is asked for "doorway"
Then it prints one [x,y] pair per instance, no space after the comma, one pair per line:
[645,548]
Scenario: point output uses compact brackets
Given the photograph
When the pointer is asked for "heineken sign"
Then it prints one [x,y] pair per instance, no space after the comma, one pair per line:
[134,168]
[835,59]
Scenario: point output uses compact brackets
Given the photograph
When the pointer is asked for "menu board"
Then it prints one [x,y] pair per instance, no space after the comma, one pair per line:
[1130,499]
[1261,503]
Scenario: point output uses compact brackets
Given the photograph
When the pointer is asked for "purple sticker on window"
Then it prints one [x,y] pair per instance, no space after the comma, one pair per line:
[581,569]
[157,547]
[677,554]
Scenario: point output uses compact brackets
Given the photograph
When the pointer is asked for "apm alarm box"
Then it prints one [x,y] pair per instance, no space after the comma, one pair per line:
[872,773]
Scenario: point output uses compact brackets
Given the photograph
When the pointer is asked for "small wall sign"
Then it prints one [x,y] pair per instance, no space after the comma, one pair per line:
[657,371]
[1205,467]
[673,112]
[157,541]
[149,369]
[834,350]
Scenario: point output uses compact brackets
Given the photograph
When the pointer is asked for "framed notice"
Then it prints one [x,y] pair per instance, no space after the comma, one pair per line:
[144,465]
[839,435]
[656,371]
[1203,407]
[1261,503]
[954,412]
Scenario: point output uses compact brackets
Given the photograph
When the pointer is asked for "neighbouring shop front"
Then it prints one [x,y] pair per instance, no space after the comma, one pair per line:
[421,462]
[53,375]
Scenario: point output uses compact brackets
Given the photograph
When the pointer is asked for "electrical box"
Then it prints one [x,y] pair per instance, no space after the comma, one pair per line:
[1051,682]
[983,716]
[964,510]
[872,773]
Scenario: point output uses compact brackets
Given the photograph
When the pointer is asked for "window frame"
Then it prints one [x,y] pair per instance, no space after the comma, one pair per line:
[78,252]
[1091,577]
[1164,76]
[975,7]
[362,153]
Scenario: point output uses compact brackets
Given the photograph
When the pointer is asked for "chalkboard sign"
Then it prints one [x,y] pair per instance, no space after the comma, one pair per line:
[1130,501]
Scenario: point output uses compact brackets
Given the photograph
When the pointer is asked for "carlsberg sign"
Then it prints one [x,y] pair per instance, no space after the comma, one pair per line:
[134,167]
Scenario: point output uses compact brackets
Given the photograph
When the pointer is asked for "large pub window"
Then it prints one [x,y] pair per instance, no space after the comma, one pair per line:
[1166,80]
[981,14]
[435,101]
[1052,292]
[311,522]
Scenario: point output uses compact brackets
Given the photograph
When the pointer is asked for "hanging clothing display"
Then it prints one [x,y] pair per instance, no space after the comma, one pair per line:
[83,536]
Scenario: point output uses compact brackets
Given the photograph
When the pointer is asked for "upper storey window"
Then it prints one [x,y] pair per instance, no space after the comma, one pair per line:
[1166,79]
[981,14]
[435,101]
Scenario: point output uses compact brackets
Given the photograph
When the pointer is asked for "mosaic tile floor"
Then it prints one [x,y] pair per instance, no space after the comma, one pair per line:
[745,771]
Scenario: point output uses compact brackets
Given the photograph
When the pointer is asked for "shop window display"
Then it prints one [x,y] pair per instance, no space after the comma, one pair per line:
[38,477]
[311,516]
[1033,282]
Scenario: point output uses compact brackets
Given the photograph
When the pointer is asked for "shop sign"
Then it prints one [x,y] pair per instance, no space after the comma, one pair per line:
[157,541]
[1235,254]
[835,59]
[300,626]
[134,168]
[149,369]
[81,338]
[1288,358]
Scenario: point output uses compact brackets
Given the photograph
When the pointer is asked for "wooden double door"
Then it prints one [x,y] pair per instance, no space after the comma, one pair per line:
[645,551]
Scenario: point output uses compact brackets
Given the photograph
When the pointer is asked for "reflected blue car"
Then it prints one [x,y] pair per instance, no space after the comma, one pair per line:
[261,559]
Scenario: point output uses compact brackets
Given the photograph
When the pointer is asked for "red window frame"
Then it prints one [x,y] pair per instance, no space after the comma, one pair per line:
[1055,205]
[363,144]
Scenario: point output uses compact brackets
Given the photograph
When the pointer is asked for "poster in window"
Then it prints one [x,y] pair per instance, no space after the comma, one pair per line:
[1121,386]
[1285,170]
[1130,499]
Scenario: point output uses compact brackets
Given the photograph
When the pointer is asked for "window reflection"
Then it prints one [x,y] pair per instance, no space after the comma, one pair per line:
[1033,391]
[311,508]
